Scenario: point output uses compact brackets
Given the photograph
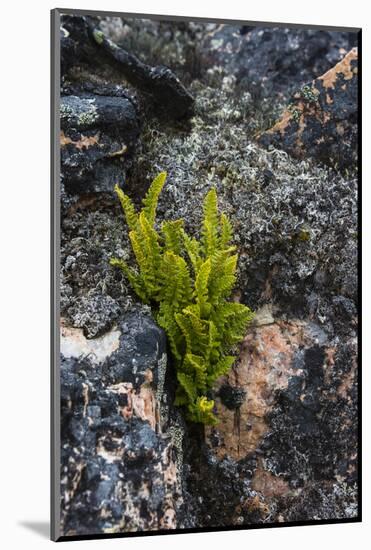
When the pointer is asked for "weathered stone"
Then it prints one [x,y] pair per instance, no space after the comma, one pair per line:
[271,62]
[98,134]
[295,224]
[266,364]
[321,119]
[118,461]
[169,94]
[95,313]
[295,426]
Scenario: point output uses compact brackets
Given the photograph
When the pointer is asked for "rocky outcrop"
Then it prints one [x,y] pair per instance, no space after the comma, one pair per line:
[285,448]
[119,453]
[321,119]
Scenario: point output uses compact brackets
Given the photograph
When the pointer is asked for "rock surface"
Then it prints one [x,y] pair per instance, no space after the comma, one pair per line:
[300,392]
[271,61]
[286,445]
[98,133]
[118,457]
[321,119]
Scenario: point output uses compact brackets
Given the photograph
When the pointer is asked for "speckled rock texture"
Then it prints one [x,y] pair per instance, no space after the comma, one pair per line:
[322,117]
[285,447]
[118,456]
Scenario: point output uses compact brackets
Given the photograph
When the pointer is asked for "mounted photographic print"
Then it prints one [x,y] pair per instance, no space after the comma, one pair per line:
[204,274]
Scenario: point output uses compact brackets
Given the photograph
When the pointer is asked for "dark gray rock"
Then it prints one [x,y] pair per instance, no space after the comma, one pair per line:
[295,223]
[98,135]
[271,62]
[321,118]
[118,456]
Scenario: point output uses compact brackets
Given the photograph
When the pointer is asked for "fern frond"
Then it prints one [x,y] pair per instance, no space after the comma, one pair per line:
[176,281]
[130,214]
[196,367]
[165,319]
[237,325]
[193,249]
[151,199]
[173,234]
[228,279]
[221,368]
[224,311]
[194,330]
[147,250]
[226,232]
[201,288]
[209,228]
[202,411]
[213,348]
[189,282]
[188,385]
[222,274]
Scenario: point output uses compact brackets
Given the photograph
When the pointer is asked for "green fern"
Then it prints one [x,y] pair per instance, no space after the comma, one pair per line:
[188,283]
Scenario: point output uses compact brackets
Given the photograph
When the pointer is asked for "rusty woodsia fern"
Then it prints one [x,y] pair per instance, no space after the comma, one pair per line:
[188,283]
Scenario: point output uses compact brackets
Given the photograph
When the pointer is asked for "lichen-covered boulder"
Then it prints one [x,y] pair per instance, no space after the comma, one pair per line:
[321,118]
[118,450]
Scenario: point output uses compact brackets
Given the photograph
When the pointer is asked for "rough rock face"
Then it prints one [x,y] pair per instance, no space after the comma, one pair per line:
[118,465]
[300,392]
[270,62]
[285,448]
[321,119]
[98,132]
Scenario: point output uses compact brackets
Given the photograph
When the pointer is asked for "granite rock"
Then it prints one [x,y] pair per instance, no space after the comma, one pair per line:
[321,118]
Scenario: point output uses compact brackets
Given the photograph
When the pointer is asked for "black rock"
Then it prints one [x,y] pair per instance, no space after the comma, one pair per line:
[232,397]
[115,453]
[98,136]
[321,118]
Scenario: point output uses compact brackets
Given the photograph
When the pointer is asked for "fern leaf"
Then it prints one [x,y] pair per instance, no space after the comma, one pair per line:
[209,228]
[151,199]
[201,287]
[188,385]
[194,329]
[193,249]
[176,281]
[195,365]
[226,232]
[221,368]
[223,277]
[172,231]
[202,411]
[213,348]
[130,215]
[235,328]
[145,243]
[165,319]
